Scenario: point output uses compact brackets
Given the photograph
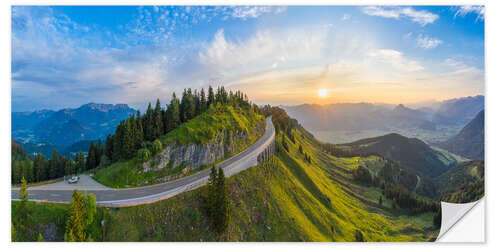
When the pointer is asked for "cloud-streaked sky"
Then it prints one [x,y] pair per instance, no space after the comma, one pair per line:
[66,56]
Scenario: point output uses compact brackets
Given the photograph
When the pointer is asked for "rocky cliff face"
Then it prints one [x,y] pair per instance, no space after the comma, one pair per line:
[194,156]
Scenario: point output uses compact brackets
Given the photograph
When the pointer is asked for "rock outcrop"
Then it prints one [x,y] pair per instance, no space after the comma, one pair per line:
[194,155]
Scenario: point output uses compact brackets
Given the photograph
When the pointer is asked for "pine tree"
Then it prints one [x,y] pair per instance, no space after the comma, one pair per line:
[108,148]
[203,101]
[139,133]
[39,167]
[40,238]
[99,152]
[380,200]
[222,217]
[188,109]
[81,215]
[80,162]
[223,95]
[127,141]
[53,165]
[149,124]
[60,166]
[173,113]
[118,142]
[196,101]
[212,193]
[91,157]
[158,120]
[68,167]
[22,210]
[75,224]
[211,96]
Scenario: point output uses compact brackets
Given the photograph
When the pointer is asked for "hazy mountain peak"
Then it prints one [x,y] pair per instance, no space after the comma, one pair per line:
[104,107]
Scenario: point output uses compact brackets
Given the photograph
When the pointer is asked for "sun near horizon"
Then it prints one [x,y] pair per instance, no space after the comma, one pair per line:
[322,93]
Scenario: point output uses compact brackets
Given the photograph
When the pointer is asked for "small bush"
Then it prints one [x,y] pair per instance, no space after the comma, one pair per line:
[144,155]
[157,146]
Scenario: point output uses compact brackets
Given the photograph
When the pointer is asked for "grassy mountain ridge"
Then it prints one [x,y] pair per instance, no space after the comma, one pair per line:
[409,152]
[200,130]
[210,124]
[463,183]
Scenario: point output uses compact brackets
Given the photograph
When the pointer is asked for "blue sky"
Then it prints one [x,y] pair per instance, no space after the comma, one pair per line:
[66,56]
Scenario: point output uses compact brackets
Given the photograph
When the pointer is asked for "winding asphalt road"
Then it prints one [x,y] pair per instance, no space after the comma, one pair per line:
[142,195]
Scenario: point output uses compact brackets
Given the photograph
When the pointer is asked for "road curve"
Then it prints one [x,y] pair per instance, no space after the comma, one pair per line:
[149,194]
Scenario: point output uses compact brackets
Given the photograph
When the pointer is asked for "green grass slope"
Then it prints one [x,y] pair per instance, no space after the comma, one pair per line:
[205,127]
[463,183]
[200,130]
[409,152]
[292,200]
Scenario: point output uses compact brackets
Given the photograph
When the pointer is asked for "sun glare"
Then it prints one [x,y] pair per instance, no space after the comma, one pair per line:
[322,93]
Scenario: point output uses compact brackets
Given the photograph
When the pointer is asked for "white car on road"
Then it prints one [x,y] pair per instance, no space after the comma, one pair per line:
[73,180]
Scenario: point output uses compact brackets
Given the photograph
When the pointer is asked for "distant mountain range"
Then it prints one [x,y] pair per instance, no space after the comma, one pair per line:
[358,117]
[91,121]
[469,142]
[458,111]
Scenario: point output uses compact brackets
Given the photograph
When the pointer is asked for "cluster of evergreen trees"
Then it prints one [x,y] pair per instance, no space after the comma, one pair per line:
[41,169]
[140,130]
[218,203]
[406,200]
[467,192]
[395,191]
[343,152]
[363,175]
[393,173]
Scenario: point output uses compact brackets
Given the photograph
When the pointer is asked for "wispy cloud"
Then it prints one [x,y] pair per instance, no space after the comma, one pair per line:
[396,59]
[454,63]
[467,9]
[426,42]
[421,17]
[245,12]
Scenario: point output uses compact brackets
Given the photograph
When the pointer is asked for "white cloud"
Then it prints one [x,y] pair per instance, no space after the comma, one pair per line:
[421,17]
[245,12]
[396,59]
[223,56]
[454,63]
[426,42]
[466,9]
